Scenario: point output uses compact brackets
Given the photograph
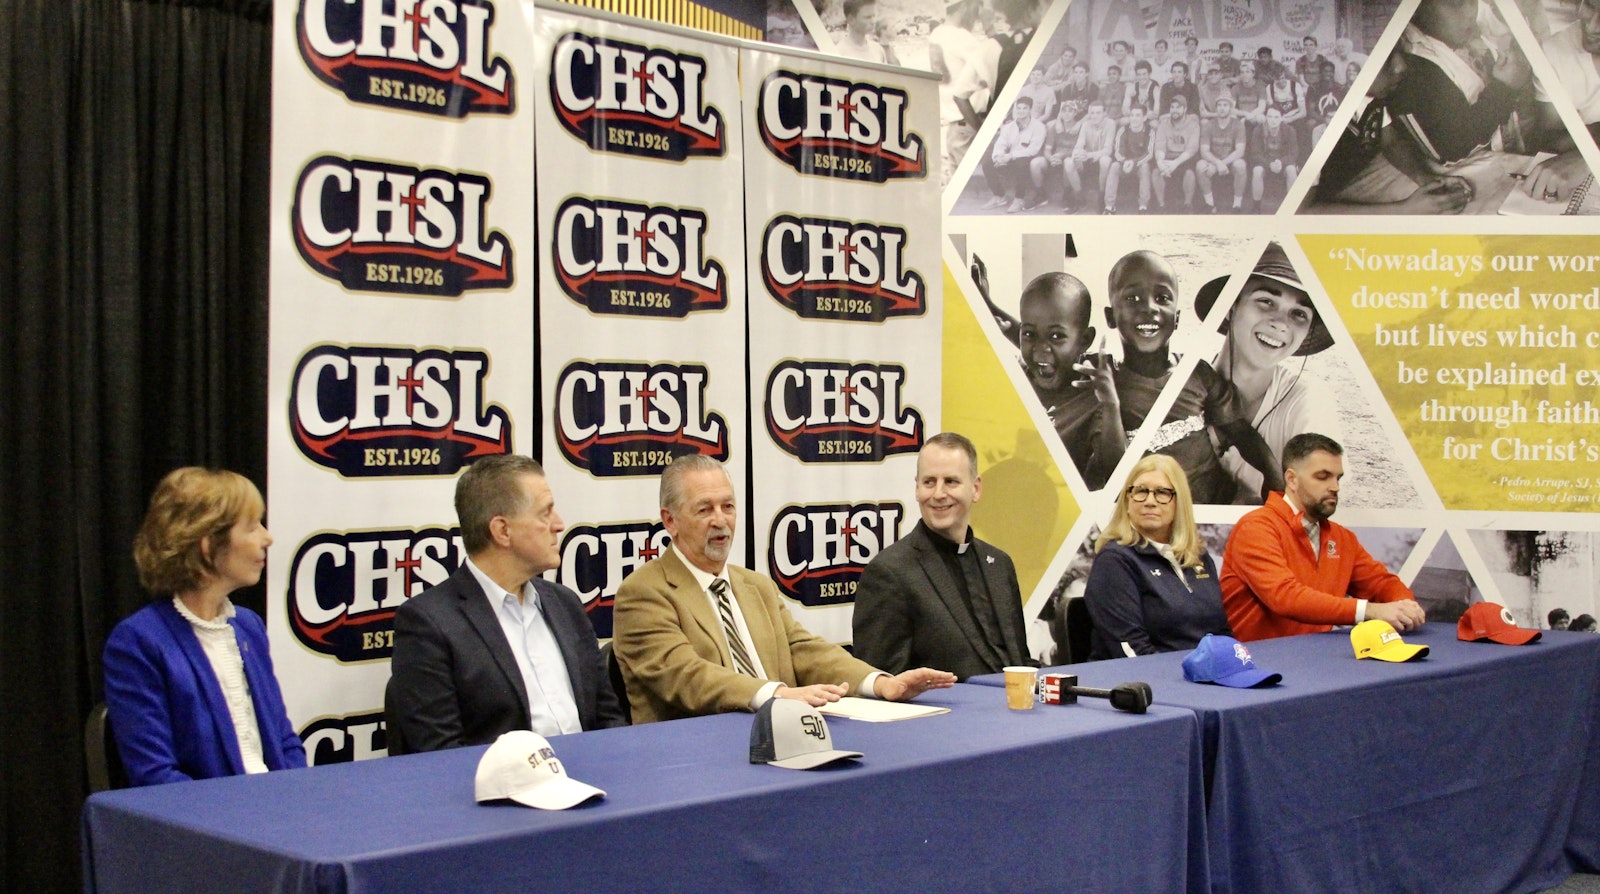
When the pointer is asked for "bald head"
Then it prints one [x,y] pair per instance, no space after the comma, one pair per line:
[1135,262]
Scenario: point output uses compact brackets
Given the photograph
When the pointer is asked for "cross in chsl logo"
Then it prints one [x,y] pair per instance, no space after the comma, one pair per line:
[823,411]
[596,558]
[630,259]
[816,552]
[619,419]
[372,412]
[378,227]
[428,56]
[831,127]
[344,586]
[824,269]
[630,99]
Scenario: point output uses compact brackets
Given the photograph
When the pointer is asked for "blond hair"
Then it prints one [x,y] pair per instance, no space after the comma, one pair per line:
[190,507]
[1186,545]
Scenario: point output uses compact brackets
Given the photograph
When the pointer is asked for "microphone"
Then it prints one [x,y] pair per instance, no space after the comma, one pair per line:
[1063,689]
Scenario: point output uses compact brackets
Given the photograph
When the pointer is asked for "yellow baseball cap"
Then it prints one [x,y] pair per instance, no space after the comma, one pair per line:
[1378,639]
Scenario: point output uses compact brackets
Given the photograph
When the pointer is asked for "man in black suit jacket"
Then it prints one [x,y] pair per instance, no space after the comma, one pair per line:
[457,679]
[940,597]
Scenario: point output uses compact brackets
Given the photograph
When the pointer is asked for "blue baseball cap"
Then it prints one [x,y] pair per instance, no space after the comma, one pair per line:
[1225,661]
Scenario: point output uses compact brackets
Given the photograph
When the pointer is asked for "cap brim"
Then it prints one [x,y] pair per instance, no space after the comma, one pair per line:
[1250,678]
[1514,636]
[557,793]
[1399,651]
[813,759]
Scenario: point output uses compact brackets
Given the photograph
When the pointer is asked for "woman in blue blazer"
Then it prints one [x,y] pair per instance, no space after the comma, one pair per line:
[190,692]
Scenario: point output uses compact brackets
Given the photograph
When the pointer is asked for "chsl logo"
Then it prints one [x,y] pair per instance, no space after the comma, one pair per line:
[817,552]
[831,127]
[429,56]
[833,412]
[376,412]
[380,227]
[349,737]
[622,419]
[596,558]
[825,269]
[624,98]
[624,258]
[344,587]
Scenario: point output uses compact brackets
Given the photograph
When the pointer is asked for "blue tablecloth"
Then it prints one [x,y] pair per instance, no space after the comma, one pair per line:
[1474,769]
[979,799]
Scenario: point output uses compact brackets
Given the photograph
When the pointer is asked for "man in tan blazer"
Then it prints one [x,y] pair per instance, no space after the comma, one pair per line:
[671,616]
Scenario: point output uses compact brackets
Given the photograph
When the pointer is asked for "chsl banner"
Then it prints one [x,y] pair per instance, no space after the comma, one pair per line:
[401,337]
[642,308]
[845,279]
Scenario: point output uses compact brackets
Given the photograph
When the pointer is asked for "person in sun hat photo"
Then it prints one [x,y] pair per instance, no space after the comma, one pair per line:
[1268,335]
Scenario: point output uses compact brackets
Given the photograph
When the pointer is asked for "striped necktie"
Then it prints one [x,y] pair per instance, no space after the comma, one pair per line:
[741,658]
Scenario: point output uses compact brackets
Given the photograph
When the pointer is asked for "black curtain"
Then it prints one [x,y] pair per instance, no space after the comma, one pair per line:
[134,140]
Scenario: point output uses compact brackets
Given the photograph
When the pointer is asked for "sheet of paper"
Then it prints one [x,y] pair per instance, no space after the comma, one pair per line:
[877,710]
[1520,203]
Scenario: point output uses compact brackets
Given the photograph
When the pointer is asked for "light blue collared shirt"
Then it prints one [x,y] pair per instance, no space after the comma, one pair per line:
[551,708]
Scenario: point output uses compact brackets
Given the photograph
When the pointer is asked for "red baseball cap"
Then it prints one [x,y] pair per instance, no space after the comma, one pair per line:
[1492,621]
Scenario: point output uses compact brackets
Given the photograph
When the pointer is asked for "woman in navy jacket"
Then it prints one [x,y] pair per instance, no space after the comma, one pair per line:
[190,691]
[1152,587]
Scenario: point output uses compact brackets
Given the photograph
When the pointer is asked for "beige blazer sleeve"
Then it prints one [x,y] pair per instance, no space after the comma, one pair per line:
[673,656]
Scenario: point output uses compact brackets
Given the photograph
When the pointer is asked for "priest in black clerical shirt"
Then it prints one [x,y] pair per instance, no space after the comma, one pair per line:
[939,597]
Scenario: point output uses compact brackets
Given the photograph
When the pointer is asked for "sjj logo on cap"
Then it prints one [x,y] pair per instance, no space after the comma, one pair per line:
[793,735]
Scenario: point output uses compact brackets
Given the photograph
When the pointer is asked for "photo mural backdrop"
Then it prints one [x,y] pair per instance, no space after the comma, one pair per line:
[513,227]
[1421,172]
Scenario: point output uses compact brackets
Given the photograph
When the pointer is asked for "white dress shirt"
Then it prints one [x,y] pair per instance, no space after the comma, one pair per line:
[221,646]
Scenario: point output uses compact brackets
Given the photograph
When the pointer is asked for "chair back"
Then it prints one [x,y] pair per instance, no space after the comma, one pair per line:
[393,738]
[1080,630]
[614,671]
[100,755]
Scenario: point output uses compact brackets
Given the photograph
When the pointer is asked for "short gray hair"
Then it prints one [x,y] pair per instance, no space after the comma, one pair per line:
[672,476]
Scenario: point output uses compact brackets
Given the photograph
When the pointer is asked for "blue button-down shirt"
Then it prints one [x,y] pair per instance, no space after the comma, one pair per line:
[551,708]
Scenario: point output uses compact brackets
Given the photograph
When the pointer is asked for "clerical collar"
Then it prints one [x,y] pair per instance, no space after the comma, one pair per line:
[950,546]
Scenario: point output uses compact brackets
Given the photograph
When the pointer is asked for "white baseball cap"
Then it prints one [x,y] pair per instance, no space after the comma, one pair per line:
[791,734]
[522,766]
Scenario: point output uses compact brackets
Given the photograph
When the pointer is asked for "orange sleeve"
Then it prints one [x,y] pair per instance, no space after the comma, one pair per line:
[1372,580]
